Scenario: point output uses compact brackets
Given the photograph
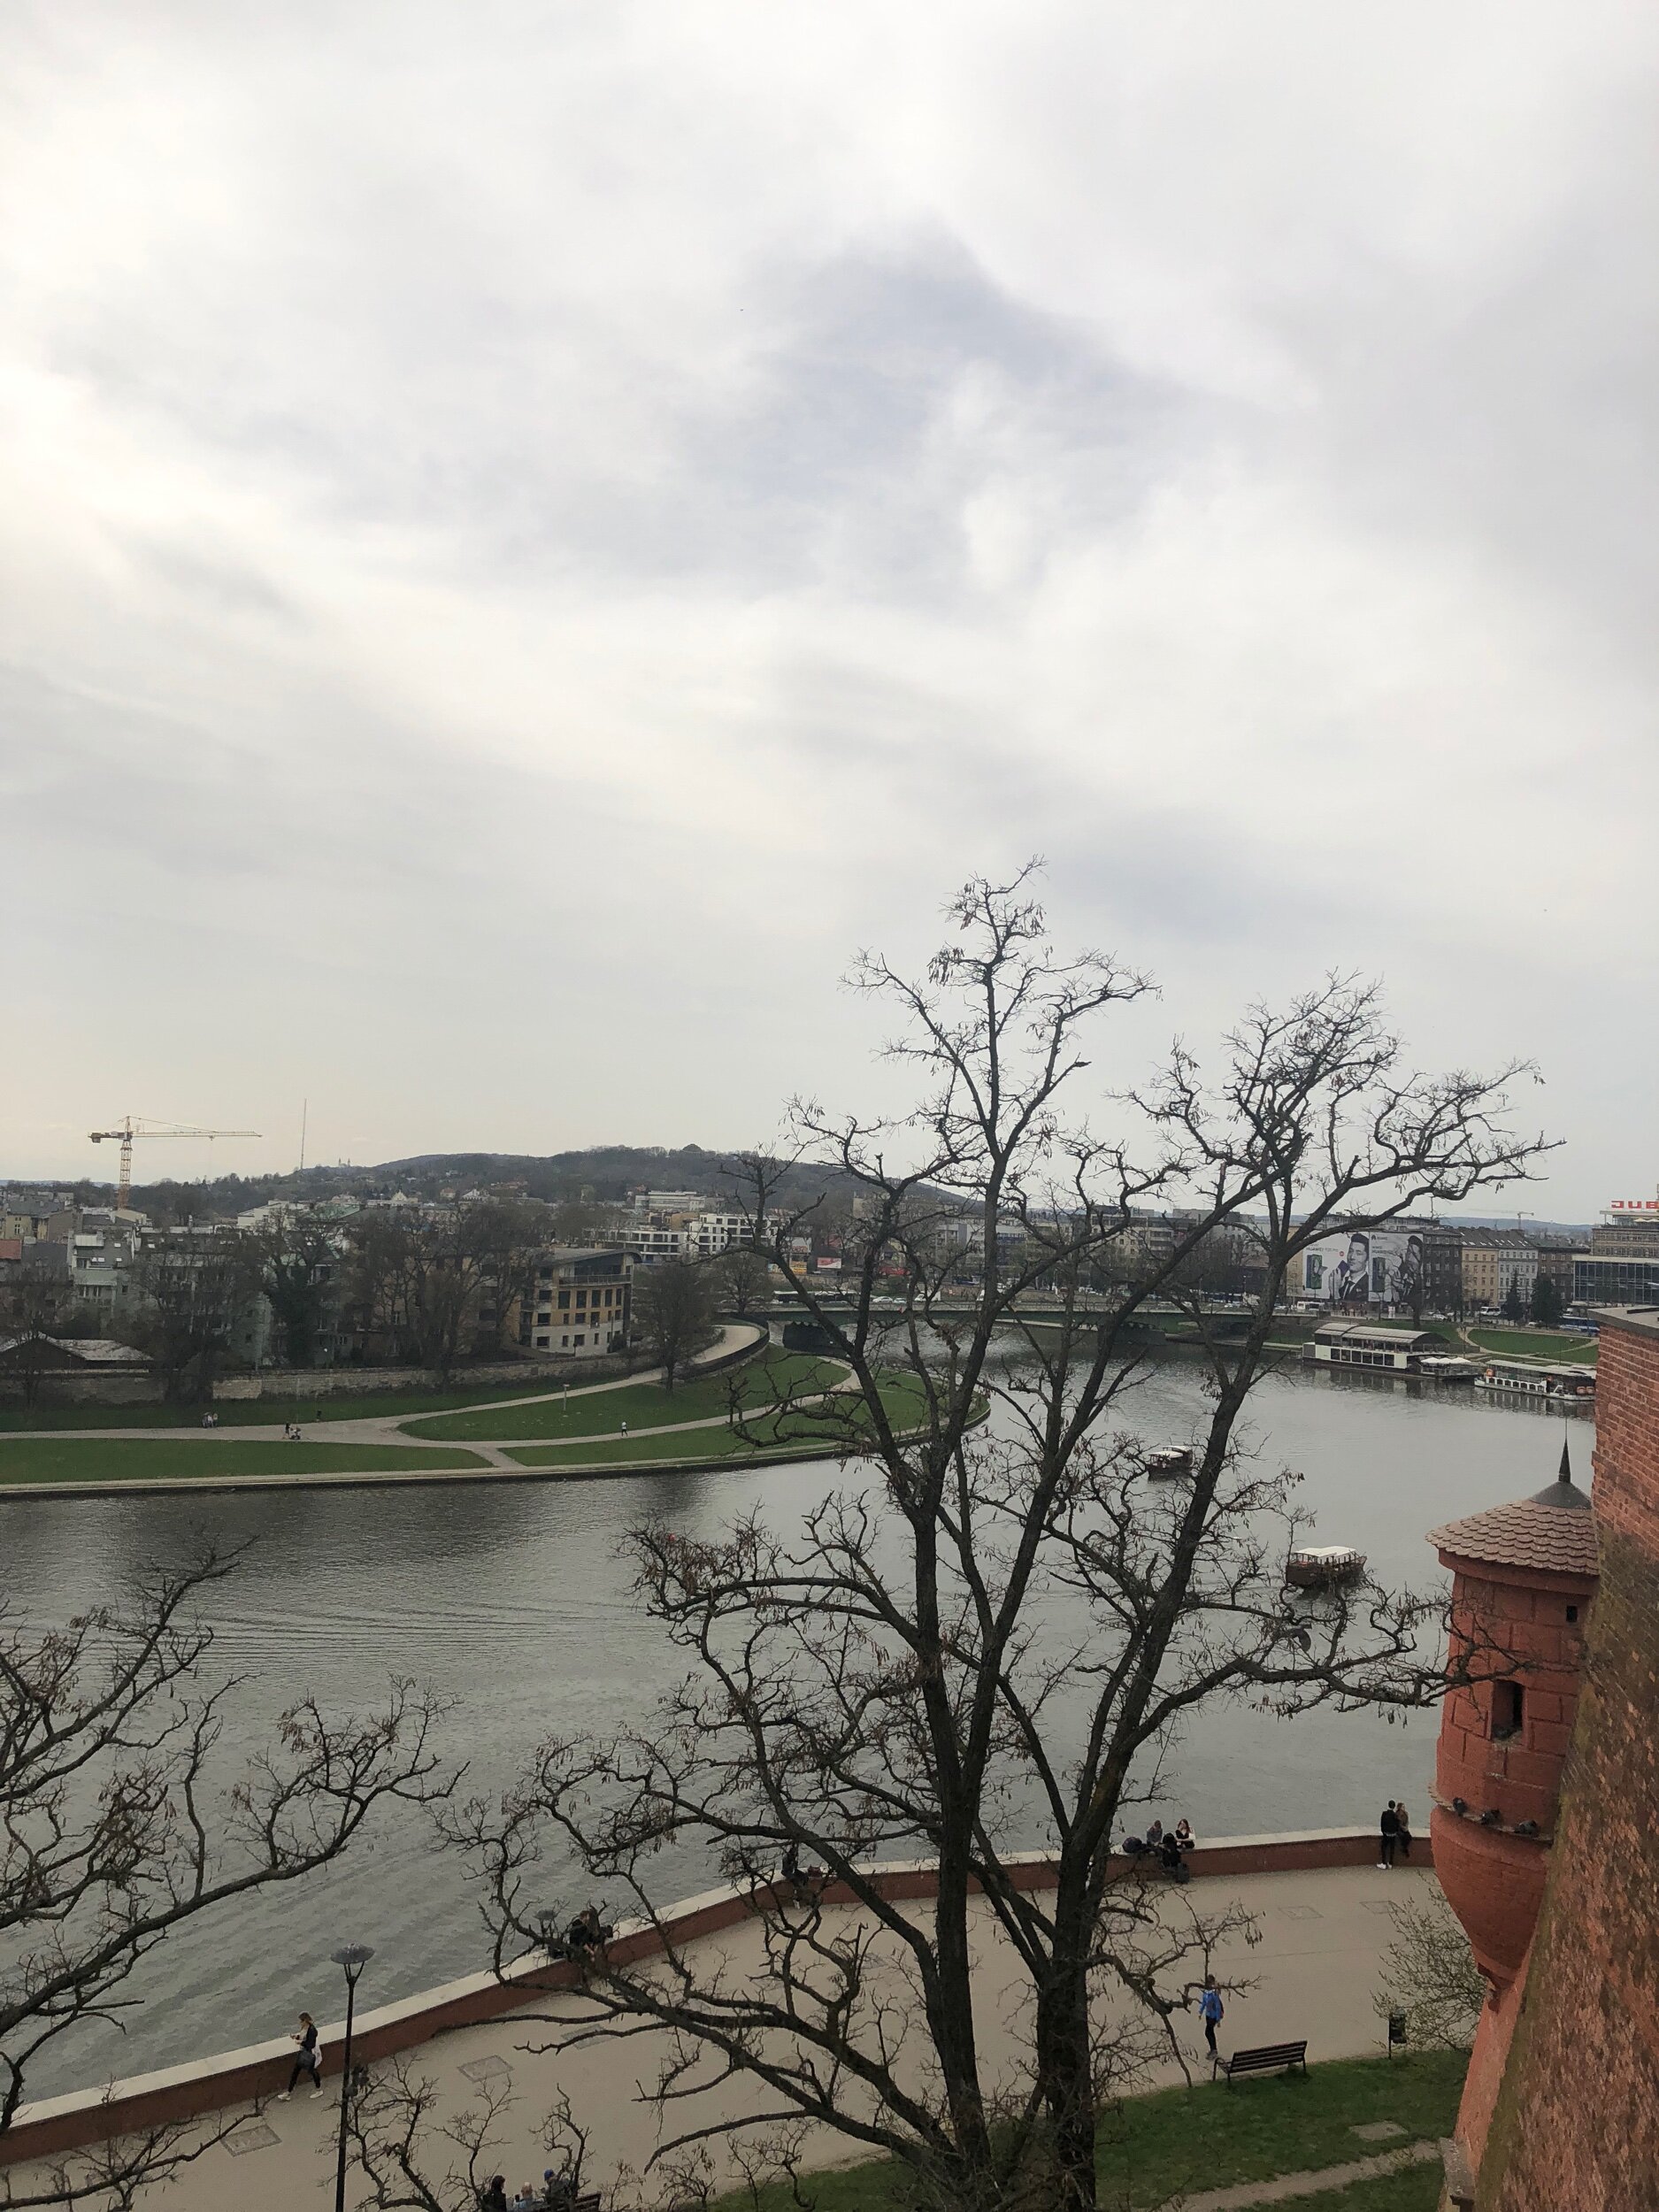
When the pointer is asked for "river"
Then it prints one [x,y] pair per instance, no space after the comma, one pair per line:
[511,1600]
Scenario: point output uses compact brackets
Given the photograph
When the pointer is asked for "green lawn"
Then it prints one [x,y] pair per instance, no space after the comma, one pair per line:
[799,1431]
[134,1459]
[1415,2190]
[804,1430]
[641,1405]
[262,1412]
[1155,2146]
[1537,1344]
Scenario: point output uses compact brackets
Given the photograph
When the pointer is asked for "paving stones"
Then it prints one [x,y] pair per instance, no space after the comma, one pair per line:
[257,2135]
[1379,2130]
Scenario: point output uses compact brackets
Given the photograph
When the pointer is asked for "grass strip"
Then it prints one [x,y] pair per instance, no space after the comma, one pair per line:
[762,1382]
[811,1434]
[26,1459]
[1215,2136]
[262,1412]
[1415,2189]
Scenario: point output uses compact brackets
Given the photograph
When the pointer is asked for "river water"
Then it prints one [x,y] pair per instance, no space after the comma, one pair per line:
[511,1600]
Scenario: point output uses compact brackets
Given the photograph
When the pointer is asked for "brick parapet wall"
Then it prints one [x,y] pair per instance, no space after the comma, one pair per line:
[1576,2122]
[61,2124]
[1627,1457]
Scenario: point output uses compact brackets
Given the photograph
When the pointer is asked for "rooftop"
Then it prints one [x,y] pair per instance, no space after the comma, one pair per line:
[1552,1531]
[1643,1319]
[1391,1333]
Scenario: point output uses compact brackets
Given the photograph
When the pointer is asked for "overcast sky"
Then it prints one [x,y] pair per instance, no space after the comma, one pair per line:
[528,533]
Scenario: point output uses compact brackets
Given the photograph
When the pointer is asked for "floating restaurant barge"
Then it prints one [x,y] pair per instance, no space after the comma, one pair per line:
[1370,1344]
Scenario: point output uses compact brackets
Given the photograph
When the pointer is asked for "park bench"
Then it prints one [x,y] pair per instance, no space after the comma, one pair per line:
[1268,2060]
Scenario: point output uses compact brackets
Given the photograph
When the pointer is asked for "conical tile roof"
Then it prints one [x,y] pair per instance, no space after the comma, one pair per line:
[1552,1531]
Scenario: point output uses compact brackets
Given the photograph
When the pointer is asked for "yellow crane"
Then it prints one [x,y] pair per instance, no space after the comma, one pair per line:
[135,1125]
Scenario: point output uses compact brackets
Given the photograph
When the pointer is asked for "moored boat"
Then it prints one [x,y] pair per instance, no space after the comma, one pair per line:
[1323,1566]
[1169,1465]
[1534,1379]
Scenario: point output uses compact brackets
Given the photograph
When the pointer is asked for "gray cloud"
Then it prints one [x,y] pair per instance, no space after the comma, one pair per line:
[523,540]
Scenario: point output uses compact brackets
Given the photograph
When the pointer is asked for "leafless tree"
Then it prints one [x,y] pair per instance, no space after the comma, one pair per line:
[296,1264]
[415,2161]
[504,1236]
[34,1301]
[744,1278]
[896,1680]
[420,1282]
[673,1312]
[191,1286]
[119,1823]
[1429,1974]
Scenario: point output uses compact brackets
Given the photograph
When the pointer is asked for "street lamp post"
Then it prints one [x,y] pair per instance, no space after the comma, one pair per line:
[351,1959]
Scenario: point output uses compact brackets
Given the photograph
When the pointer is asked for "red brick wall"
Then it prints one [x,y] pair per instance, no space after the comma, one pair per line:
[1576,2123]
[1497,1616]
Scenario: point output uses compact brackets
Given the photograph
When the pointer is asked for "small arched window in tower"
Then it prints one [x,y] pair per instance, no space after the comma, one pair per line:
[1508,1710]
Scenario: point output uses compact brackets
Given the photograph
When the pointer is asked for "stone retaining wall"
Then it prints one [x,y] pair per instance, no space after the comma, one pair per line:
[59,2124]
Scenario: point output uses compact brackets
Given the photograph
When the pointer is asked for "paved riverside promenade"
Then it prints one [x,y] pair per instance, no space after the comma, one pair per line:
[1321,1906]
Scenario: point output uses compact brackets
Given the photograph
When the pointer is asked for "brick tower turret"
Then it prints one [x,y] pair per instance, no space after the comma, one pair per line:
[1523,1579]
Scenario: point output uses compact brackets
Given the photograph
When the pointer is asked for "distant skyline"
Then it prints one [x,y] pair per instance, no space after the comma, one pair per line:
[527,537]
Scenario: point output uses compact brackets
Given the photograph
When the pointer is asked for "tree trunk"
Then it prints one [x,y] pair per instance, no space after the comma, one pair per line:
[1064,2065]
[951,2025]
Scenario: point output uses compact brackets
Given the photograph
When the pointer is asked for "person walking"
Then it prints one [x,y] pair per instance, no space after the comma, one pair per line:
[309,2059]
[495,2198]
[1389,1837]
[1404,1818]
[1212,2012]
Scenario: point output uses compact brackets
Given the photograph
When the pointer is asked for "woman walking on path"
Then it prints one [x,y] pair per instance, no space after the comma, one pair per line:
[1212,2011]
[310,2060]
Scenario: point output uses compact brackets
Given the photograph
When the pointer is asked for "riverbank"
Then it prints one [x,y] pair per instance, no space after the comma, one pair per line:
[746,1404]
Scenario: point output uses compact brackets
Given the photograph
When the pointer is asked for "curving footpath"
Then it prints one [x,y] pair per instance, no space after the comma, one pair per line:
[1322,1910]
[474,1462]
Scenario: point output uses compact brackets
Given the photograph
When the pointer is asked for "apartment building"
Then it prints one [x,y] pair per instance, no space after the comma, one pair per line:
[678,1235]
[577,1300]
[1494,1262]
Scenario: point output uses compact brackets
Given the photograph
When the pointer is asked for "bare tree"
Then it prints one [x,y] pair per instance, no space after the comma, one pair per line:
[893,1680]
[744,1277]
[1429,1974]
[504,1236]
[673,1312]
[191,1286]
[119,1824]
[398,2140]
[34,1301]
[418,1285]
[298,1266]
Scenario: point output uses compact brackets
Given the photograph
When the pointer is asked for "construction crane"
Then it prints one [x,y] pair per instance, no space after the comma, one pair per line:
[135,1125]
